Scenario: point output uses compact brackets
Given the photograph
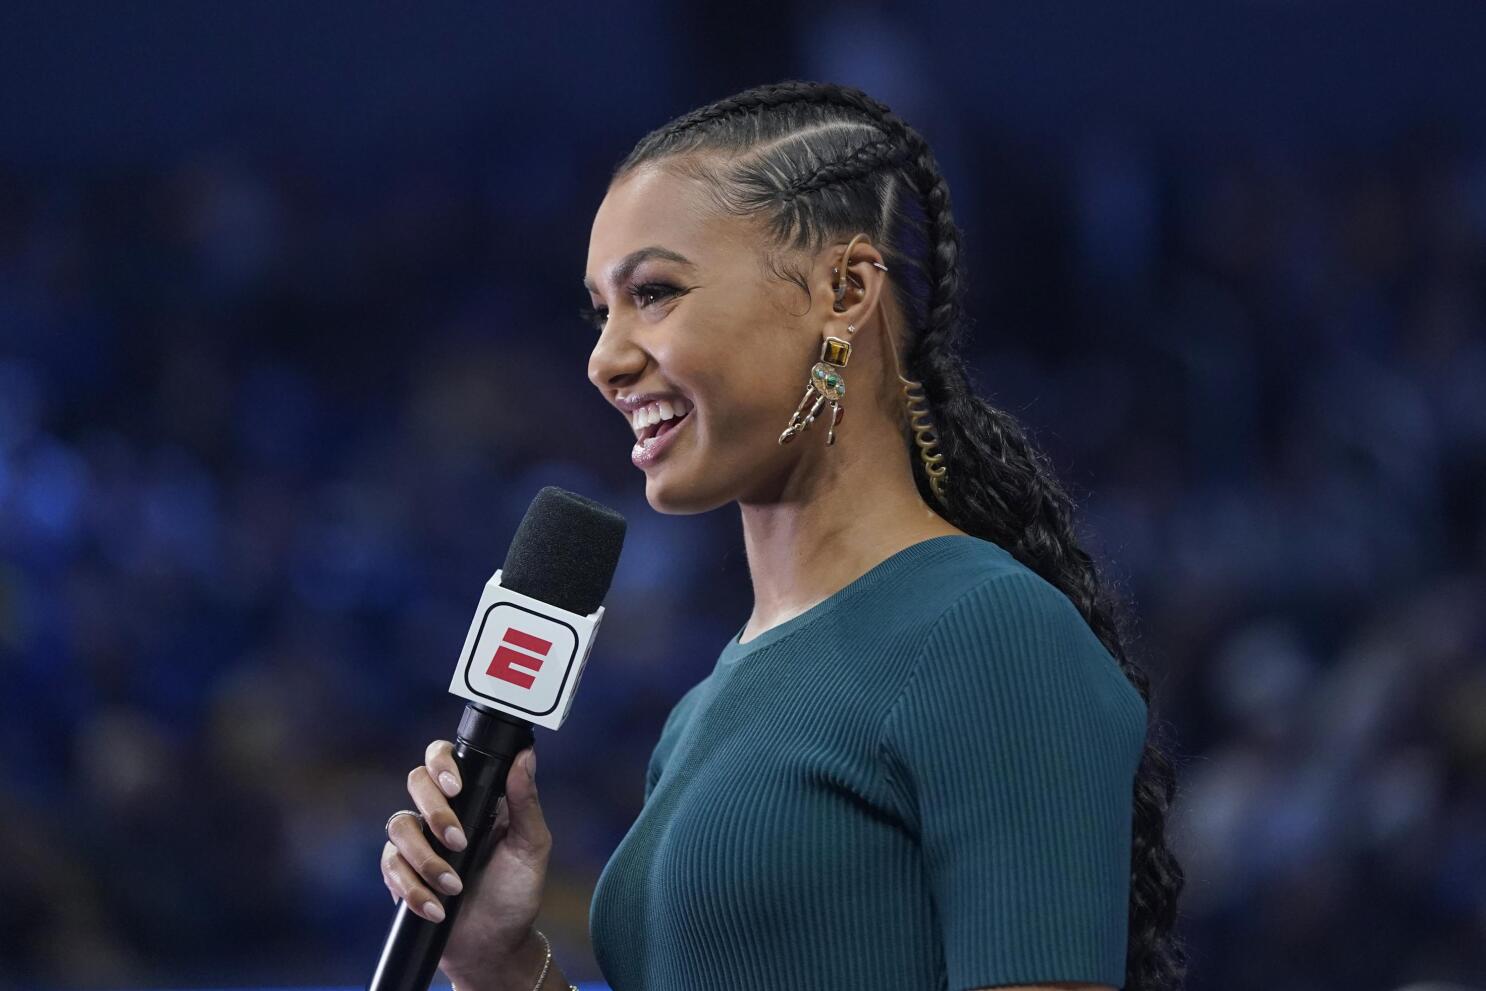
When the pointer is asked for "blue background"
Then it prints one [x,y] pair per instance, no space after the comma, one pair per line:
[288,341]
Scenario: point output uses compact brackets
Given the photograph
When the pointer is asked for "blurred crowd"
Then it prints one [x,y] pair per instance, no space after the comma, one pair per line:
[265,430]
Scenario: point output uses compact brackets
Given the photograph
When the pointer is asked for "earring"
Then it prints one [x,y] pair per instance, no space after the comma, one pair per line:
[825,384]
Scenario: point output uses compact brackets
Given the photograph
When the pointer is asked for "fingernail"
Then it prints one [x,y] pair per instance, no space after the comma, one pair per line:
[531,764]
[449,784]
[454,838]
[435,911]
[450,883]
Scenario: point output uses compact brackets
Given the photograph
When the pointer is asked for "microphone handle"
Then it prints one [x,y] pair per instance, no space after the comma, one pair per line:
[484,749]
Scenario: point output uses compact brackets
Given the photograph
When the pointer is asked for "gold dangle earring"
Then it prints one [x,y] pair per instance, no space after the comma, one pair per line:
[825,383]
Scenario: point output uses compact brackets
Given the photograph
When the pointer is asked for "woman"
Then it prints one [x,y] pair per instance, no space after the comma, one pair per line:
[925,760]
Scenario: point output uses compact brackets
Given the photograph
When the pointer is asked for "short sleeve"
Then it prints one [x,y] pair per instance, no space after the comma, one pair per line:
[1012,747]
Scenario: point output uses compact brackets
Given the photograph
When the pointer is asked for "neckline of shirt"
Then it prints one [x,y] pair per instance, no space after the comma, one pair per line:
[895,562]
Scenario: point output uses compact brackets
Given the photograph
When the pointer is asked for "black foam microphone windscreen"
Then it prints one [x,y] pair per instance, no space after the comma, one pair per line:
[565,551]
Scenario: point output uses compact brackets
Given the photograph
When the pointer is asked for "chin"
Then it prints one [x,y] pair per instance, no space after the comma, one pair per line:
[674,497]
[686,485]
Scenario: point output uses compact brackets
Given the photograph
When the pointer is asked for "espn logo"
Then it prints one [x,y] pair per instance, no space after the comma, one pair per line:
[523,656]
[513,650]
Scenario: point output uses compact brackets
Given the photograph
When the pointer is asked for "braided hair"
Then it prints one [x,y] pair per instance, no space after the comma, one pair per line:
[819,161]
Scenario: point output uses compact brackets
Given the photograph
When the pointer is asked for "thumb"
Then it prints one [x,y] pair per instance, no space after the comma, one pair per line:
[527,824]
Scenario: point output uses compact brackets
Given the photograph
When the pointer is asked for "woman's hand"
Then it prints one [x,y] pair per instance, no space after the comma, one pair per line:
[497,915]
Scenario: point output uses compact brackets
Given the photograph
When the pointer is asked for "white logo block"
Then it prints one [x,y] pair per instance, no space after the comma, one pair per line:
[523,656]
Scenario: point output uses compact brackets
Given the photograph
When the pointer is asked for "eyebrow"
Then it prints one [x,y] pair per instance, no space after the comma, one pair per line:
[631,261]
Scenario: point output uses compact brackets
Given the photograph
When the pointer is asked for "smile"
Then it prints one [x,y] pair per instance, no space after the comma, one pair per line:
[656,439]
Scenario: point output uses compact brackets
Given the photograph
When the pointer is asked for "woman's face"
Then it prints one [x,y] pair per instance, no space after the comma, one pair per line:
[686,308]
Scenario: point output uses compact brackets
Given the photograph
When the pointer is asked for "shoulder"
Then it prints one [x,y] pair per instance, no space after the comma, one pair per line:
[1007,641]
[961,562]
[969,600]
[946,577]
[1027,625]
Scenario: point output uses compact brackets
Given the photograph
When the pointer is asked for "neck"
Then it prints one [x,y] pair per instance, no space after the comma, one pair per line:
[850,507]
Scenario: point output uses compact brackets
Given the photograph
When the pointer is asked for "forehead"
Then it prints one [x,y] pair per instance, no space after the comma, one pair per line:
[651,208]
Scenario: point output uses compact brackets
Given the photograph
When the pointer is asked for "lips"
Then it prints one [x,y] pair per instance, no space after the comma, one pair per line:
[654,441]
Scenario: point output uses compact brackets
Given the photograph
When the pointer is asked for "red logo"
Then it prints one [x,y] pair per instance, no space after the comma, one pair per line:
[500,664]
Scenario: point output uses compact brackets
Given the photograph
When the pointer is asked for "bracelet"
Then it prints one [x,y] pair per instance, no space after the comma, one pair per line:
[546,965]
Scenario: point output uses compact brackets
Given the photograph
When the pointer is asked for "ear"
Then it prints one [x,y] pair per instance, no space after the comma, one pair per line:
[855,289]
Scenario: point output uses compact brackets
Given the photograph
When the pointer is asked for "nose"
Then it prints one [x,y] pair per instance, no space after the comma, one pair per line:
[614,361]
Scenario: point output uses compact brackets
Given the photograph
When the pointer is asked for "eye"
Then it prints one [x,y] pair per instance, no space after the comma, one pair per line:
[659,290]
[644,295]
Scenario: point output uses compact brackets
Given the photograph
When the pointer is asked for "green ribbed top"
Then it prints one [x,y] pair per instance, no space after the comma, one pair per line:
[922,782]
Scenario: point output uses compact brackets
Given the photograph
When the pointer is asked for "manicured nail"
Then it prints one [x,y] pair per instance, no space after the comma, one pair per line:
[450,883]
[449,784]
[454,838]
[435,911]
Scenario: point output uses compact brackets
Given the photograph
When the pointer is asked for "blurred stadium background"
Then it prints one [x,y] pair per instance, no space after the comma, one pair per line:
[288,341]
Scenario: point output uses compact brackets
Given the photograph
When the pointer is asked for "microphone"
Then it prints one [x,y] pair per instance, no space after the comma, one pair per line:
[522,659]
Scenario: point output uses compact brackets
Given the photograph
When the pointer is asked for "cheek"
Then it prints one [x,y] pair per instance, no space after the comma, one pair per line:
[745,393]
[744,410]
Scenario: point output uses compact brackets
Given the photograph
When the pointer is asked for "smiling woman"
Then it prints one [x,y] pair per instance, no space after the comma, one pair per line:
[957,784]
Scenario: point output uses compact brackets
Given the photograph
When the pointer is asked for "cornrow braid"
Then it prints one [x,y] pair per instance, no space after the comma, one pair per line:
[868,159]
[821,161]
[776,95]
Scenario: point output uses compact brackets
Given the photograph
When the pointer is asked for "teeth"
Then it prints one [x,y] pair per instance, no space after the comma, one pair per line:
[657,411]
